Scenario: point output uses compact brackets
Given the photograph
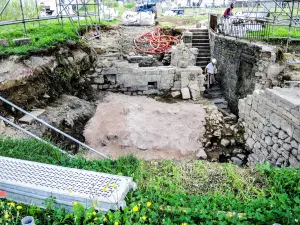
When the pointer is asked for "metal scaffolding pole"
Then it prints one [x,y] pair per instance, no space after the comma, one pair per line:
[23,19]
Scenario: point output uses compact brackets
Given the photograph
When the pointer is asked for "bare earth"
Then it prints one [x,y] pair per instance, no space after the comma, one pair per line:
[145,127]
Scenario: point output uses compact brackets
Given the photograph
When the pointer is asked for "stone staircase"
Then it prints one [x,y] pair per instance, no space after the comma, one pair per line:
[201,41]
[215,95]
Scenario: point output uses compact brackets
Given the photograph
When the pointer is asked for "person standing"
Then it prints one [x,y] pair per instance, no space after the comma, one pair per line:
[210,71]
[228,11]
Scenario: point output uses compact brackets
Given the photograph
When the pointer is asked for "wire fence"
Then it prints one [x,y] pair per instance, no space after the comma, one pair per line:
[78,12]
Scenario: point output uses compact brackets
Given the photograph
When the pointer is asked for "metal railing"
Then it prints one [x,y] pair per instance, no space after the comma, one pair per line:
[47,125]
[246,28]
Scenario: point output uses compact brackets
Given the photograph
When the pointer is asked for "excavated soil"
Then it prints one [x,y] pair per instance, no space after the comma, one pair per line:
[147,128]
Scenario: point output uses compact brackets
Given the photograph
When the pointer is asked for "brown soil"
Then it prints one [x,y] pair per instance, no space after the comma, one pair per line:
[146,128]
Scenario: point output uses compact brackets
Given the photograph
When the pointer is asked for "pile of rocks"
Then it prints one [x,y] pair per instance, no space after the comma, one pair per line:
[223,140]
[272,126]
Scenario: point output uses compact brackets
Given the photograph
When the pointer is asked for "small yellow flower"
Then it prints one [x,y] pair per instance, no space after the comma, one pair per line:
[114,185]
[95,219]
[6,216]
[12,204]
[184,224]
[19,207]
[148,204]
[94,213]
[104,219]
[107,185]
[104,189]
[70,191]
[116,223]
[135,209]
[144,217]
[75,203]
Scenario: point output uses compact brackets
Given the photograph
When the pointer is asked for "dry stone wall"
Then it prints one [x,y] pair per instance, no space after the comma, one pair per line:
[131,79]
[243,67]
[271,119]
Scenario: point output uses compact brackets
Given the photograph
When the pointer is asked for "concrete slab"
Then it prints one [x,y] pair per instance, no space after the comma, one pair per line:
[28,120]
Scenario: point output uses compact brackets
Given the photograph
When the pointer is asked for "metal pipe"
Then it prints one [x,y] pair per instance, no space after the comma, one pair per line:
[53,128]
[4,7]
[33,135]
[37,11]
[23,21]
[289,33]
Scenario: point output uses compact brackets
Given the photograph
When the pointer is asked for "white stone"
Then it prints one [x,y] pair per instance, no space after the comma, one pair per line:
[28,119]
[185,92]
[195,91]
[225,142]
[201,154]
[175,94]
[269,141]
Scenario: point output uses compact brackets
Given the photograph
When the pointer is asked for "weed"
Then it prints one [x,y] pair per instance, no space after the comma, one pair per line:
[171,192]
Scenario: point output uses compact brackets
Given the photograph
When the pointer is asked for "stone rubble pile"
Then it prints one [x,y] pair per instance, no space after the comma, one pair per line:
[223,140]
[272,126]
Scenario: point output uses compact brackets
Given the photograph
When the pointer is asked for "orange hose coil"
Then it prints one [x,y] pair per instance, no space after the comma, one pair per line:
[154,42]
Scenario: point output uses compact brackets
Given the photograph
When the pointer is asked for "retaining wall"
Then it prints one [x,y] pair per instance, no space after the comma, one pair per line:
[243,67]
[272,126]
[131,79]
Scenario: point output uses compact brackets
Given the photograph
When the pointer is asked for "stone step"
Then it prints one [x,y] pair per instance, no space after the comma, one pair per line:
[203,58]
[202,64]
[200,36]
[206,47]
[222,106]
[199,31]
[218,100]
[215,88]
[204,54]
[200,41]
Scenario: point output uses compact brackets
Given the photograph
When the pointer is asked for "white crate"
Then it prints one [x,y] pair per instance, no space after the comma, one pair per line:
[32,183]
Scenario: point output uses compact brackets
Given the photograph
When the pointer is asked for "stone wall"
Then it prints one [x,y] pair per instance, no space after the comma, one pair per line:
[243,67]
[129,78]
[271,119]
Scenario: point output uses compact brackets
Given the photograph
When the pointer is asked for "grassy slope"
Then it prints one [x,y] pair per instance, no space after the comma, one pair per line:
[49,33]
[196,190]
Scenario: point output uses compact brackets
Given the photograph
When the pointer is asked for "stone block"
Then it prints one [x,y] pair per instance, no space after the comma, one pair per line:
[22,41]
[4,42]
[296,135]
[109,71]
[250,143]
[195,91]
[269,141]
[95,86]
[28,119]
[151,92]
[175,94]
[287,127]
[293,161]
[99,80]
[185,92]
[184,79]
[275,120]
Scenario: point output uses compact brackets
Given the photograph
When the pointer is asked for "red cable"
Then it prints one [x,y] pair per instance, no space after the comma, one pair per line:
[154,42]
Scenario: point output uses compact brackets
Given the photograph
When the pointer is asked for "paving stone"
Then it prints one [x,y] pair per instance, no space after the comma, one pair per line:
[22,41]
[28,120]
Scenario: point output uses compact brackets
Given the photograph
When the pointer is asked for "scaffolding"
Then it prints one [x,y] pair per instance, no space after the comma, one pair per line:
[86,13]
[260,18]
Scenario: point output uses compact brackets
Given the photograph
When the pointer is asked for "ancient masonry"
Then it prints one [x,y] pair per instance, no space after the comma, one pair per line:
[243,67]
[131,79]
[271,119]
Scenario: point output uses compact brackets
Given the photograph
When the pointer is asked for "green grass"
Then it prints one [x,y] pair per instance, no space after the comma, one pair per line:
[193,192]
[48,34]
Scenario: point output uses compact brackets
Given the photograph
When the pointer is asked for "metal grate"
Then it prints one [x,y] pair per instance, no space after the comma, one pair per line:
[38,181]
